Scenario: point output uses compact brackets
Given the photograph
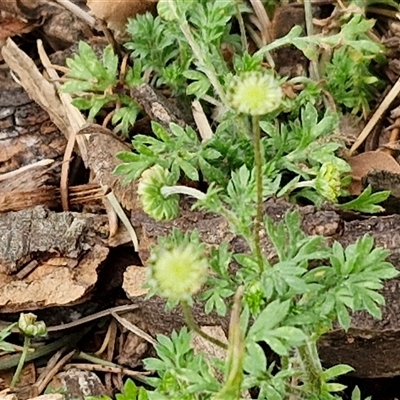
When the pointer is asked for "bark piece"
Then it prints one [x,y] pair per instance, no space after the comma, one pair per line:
[52,283]
[134,279]
[62,28]
[34,231]
[102,147]
[11,26]
[11,94]
[48,196]
[48,259]
[38,88]
[26,135]
[158,107]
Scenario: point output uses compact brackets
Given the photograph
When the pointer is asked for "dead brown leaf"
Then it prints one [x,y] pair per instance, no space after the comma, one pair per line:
[362,164]
[11,26]
[117,12]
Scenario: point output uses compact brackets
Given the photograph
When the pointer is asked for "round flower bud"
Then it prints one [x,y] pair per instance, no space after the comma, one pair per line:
[328,182]
[254,93]
[255,297]
[177,272]
[28,325]
[153,201]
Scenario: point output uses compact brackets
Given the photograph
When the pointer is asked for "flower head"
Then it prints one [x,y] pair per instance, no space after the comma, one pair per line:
[177,271]
[254,93]
[328,181]
[153,201]
[28,325]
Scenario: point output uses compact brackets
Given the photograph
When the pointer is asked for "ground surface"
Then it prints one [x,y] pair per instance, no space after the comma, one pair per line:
[62,255]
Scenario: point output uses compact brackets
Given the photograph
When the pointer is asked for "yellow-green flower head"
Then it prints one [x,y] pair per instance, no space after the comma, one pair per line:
[153,201]
[254,93]
[328,182]
[28,325]
[177,272]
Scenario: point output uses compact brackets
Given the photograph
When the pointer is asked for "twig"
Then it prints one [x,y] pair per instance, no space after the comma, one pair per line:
[89,318]
[376,116]
[50,365]
[42,385]
[83,15]
[12,174]
[386,13]
[110,353]
[125,220]
[265,22]
[103,368]
[71,135]
[106,339]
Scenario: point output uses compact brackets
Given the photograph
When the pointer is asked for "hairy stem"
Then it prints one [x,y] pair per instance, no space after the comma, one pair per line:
[242,27]
[259,206]
[198,53]
[191,323]
[312,368]
[21,362]
[314,73]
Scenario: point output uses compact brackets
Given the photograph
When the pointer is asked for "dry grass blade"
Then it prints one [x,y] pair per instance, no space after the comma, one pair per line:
[105,368]
[201,120]
[263,19]
[42,383]
[376,116]
[134,329]
[77,122]
[38,88]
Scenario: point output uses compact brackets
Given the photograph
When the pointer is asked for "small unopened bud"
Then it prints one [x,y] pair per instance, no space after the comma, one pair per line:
[28,325]
[328,182]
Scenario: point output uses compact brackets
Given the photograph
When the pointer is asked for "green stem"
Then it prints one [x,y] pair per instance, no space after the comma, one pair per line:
[312,368]
[177,189]
[21,362]
[191,323]
[299,185]
[259,206]
[242,28]
[96,360]
[208,67]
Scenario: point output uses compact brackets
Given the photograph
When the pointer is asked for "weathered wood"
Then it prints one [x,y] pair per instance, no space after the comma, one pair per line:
[26,136]
[372,347]
[159,108]
[49,259]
